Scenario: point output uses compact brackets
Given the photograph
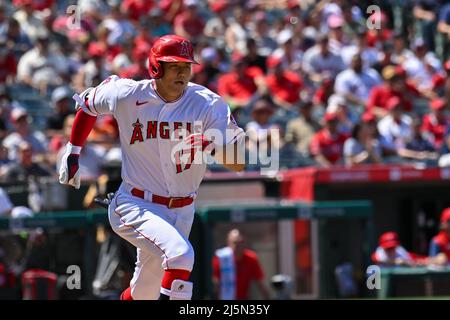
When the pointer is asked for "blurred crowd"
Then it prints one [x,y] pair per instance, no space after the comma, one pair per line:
[319,82]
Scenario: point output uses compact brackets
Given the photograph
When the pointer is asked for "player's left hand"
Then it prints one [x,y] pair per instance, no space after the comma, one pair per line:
[69,172]
[200,140]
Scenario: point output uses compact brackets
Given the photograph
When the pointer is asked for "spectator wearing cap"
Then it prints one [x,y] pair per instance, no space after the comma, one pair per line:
[40,67]
[395,85]
[327,144]
[289,54]
[319,62]
[22,132]
[355,83]
[338,39]
[363,146]
[262,133]
[436,122]
[441,81]
[61,102]
[347,117]
[26,166]
[8,64]
[441,242]
[395,128]
[189,23]
[242,83]
[422,67]
[284,85]
[391,253]
[324,11]
[301,129]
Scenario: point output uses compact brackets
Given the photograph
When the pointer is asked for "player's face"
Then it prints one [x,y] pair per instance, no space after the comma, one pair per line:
[176,76]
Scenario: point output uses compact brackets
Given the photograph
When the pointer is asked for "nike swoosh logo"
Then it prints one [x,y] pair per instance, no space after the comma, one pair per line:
[140,103]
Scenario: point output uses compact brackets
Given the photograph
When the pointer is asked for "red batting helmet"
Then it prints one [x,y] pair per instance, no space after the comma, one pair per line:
[169,48]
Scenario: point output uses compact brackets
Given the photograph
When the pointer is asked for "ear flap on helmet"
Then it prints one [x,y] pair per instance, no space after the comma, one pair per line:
[154,67]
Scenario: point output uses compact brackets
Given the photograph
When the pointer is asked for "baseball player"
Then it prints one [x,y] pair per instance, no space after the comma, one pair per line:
[165,124]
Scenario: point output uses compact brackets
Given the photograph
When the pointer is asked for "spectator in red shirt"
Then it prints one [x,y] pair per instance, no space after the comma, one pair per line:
[327,144]
[240,85]
[395,85]
[435,123]
[234,269]
[382,33]
[324,92]
[283,85]
[8,64]
[171,8]
[138,70]
[189,23]
[111,50]
[441,82]
[36,4]
[135,9]
[144,36]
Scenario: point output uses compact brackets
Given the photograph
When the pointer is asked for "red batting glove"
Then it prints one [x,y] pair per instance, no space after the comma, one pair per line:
[199,140]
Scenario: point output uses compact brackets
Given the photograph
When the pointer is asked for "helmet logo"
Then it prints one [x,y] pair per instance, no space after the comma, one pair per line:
[184,49]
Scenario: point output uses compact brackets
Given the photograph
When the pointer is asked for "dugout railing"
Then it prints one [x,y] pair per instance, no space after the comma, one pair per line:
[207,220]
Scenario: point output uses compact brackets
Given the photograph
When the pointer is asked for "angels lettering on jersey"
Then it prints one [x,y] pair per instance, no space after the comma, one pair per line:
[182,154]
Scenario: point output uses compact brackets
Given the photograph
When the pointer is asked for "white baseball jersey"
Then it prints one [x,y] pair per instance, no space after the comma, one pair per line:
[147,124]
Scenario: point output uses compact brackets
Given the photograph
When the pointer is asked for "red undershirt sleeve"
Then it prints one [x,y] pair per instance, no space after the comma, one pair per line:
[81,128]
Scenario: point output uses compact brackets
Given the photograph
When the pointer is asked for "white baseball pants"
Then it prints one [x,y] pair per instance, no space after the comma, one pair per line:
[160,235]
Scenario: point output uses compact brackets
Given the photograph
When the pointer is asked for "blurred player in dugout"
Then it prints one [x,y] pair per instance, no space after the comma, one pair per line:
[234,269]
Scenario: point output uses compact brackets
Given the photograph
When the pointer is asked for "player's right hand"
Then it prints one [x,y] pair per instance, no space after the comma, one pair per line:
[69,172]
[199,140]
